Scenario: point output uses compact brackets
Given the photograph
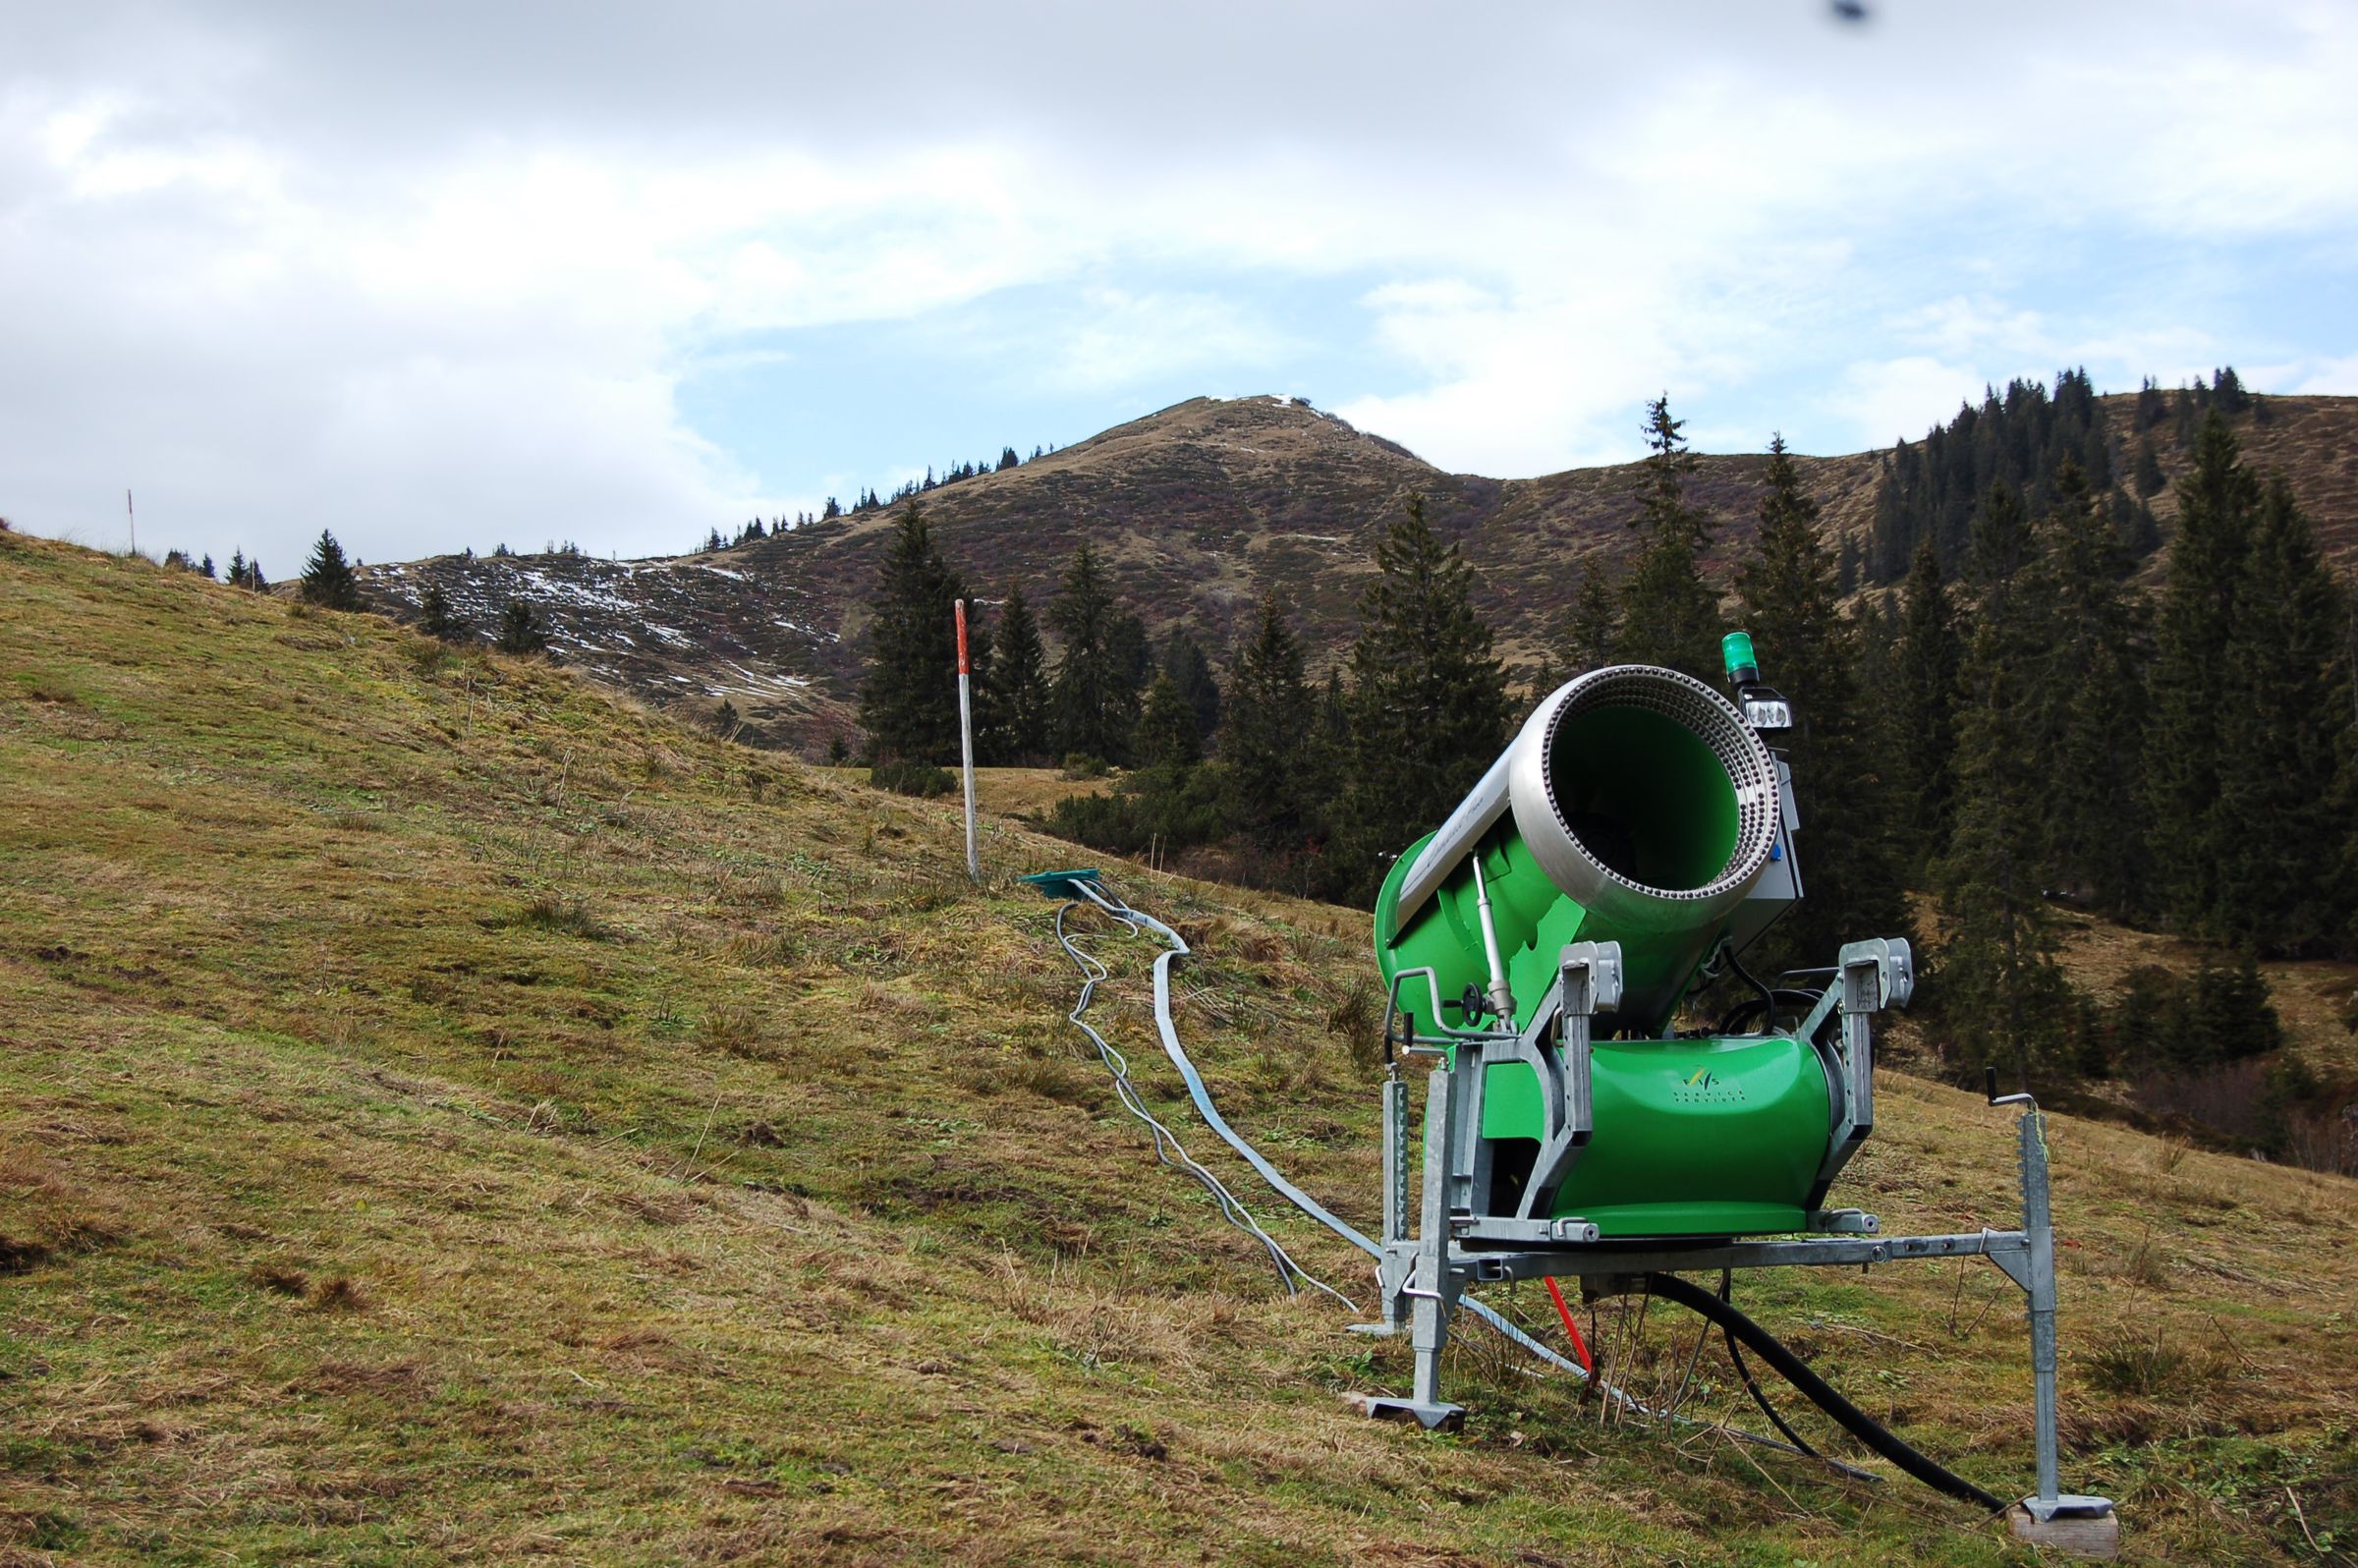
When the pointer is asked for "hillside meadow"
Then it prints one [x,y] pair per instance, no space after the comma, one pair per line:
[449,1112]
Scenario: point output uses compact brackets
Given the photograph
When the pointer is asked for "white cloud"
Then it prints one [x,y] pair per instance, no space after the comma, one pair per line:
[1960,326]
[2327,378]
[434,274]
[1890,400]
[1121,339]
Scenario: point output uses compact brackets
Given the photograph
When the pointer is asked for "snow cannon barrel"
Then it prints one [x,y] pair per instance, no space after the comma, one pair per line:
[1636,806]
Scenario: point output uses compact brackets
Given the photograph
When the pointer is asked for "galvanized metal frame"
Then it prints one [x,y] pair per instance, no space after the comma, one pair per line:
[1423,1276]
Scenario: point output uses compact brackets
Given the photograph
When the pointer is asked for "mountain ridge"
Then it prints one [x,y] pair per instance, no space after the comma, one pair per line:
[1197,510]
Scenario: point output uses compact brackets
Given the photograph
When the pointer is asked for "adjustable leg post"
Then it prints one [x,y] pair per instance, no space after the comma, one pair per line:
[2037,1224]
[1437,1288]
[2050,1517]
[1434,1289]
[1393,1271]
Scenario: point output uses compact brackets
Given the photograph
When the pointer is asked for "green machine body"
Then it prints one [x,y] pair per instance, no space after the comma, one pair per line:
[1639,814]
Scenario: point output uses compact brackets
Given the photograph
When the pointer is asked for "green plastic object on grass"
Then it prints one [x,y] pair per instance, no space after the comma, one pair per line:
[1062,884]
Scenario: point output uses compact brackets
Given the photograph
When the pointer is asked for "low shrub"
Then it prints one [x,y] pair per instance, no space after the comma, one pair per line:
[733,1029]
[920,779]
[566,916]
[1157,809]
[2133,1364]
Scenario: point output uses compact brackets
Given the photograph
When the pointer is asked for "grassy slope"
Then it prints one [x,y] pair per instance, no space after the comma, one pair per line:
[447,1113]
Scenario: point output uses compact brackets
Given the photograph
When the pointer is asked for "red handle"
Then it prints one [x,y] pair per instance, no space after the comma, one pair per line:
[1579,1346]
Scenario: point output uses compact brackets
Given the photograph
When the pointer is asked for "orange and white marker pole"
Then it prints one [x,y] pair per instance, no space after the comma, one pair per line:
[966,746]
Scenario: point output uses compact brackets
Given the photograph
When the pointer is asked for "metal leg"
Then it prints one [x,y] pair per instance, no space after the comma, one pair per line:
[2037,1224]
[1392,1272]
[1435,1290]
[1435,1287]
[2050,1517]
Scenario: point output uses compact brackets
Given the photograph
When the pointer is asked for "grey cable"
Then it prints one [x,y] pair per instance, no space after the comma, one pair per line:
[1175,948]
[1167,1148]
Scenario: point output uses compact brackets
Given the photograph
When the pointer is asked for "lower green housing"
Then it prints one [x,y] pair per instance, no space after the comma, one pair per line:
[1694,1137]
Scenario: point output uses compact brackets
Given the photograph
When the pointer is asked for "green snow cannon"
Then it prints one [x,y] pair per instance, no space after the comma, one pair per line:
[1545,934]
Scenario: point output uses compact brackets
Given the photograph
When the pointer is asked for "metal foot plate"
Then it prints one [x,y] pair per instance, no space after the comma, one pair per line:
[1432,1418]
[2078,1527]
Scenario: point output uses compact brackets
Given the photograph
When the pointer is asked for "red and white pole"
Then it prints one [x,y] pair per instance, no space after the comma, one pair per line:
[966,746]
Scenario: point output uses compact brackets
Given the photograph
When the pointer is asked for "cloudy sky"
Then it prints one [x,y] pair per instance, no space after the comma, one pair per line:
[436,274]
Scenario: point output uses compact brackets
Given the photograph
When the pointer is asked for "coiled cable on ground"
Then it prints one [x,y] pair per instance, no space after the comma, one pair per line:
[1167,1148]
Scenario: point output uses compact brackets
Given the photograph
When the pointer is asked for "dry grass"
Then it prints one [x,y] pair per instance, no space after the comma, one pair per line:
[1030,792]
[351,1219]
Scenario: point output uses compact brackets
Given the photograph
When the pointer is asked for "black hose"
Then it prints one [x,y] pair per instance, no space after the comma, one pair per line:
[1767,997]
[1733,1020]
[1819,1392]
[1735,1356]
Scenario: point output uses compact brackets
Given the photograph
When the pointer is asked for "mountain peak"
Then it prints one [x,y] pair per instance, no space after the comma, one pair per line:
[1195,511]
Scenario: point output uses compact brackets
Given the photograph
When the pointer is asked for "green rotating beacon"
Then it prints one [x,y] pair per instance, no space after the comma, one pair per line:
[1634,839]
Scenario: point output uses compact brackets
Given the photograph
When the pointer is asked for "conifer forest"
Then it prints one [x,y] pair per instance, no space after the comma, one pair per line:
[2002,721]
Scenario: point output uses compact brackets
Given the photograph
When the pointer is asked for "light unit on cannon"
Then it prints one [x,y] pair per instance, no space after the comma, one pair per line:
[1539,944]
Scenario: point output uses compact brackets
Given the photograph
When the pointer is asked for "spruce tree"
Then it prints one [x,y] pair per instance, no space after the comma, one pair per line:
[327,581]
[2088,700]
[519,630]
[2134,521]
[1926,658]
[2280,822]
[2019,438]
[1428,698]
[1595,622]
[1092,692]
[2004,998]
[1018,674]
[1531,683]
[1167,731]
[435,617]
[1269,733]
[1334,722]
[1184,660]
[1788,591]
[2002,541]
[1133,654]
[2218,500]
[1669,616]
[1875,628]
[909,701]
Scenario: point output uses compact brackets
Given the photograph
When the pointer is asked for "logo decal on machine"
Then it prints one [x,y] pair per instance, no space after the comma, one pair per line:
[1703,1086]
